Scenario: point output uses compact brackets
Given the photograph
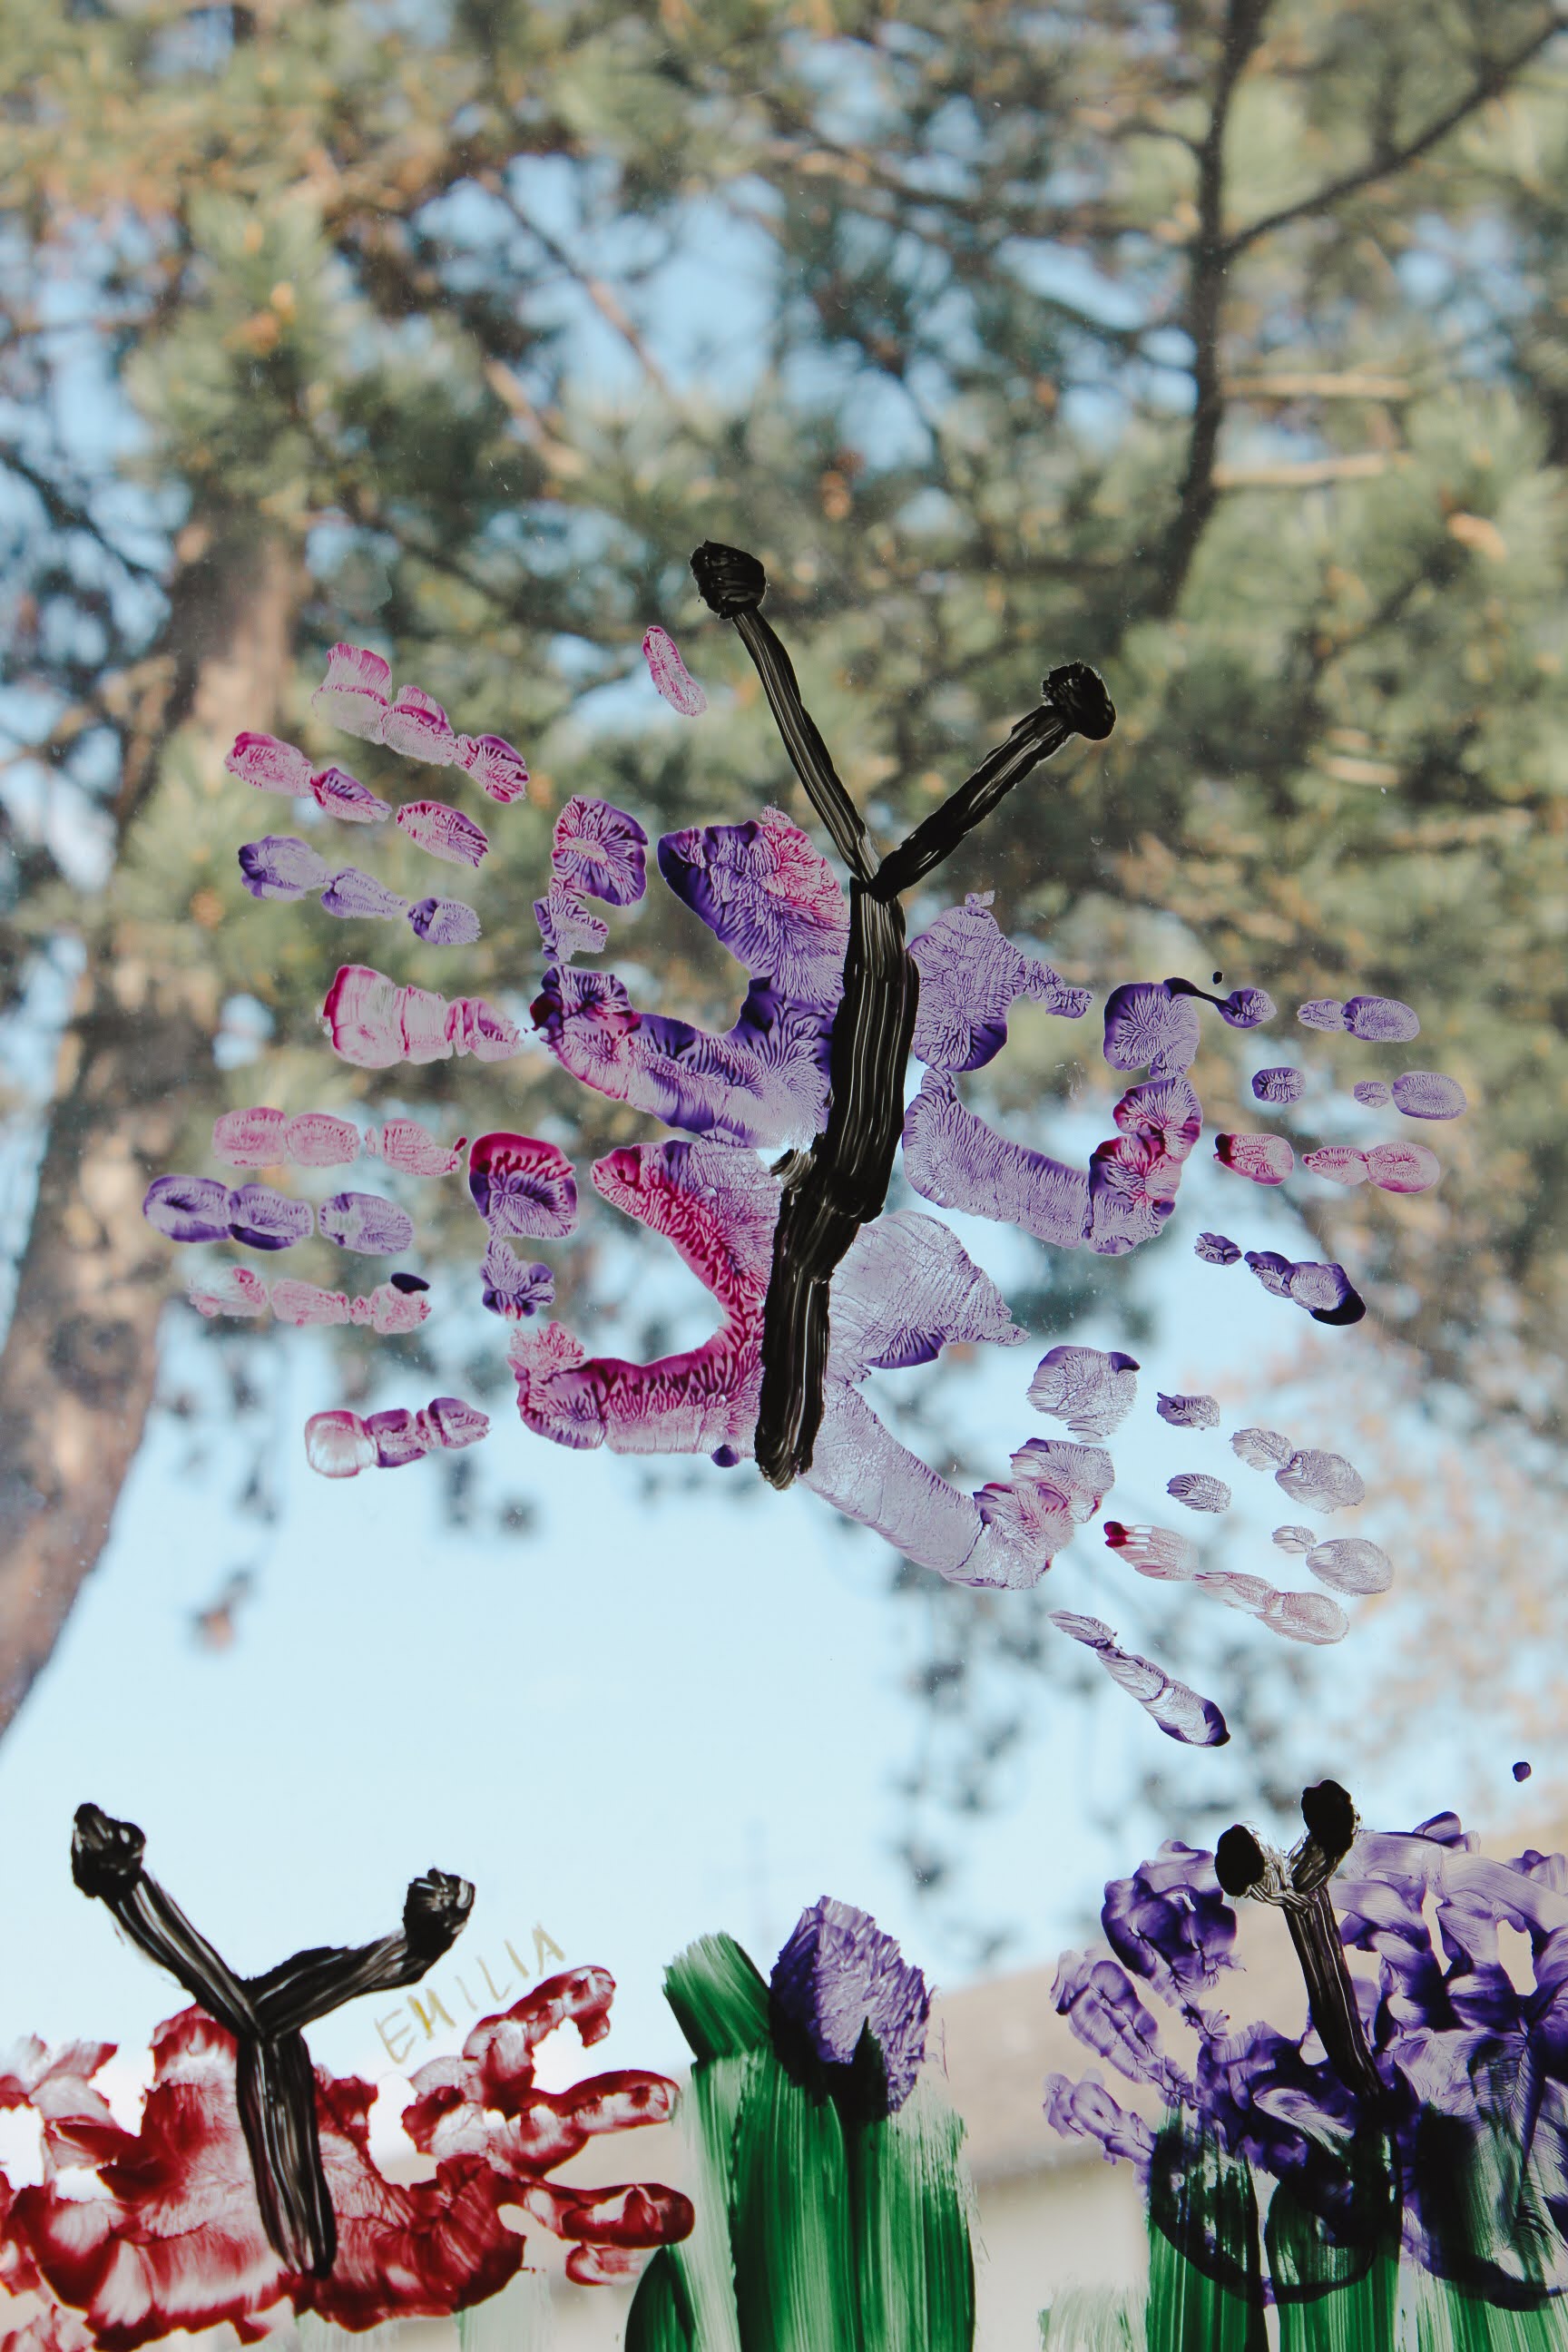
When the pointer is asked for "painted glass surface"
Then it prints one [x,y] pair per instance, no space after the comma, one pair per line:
[780,915]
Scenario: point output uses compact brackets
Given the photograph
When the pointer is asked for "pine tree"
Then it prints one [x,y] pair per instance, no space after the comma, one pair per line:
[1221,347]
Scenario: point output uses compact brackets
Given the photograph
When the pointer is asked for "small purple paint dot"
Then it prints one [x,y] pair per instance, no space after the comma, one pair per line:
[726,1457]
[1521,1772]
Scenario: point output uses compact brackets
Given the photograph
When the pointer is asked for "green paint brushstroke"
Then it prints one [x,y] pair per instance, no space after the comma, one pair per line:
[1487,2199]
[1202,2220]
[662,2318]
[1340,2290]
[815,2233]
[1331,2298]
[719,1997]
[790,2224]
[1446,2320]
[686,2301]
[912,2214]
[1096,2319]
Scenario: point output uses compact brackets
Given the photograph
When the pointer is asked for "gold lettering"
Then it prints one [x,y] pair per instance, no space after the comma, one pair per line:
[496,1994]
[391,2021]
[437,2010]
[517,1964]
[542,1944]
[467,1996]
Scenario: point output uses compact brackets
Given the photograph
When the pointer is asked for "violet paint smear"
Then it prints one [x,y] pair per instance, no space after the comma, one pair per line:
[1260,1449]
[201,1209]
[264,1137]
[971,974]
[1198,1491]
[1180,1713]
[1350,1564]
[1326,1481]
[275,767]
[955,1159]
[671,675]
[1091,1390]
[386,1310]
[1277,1085]
[365,1222]
[718,1206]
[1325,1292]
[1420,2118]
[1296,1616]
[1216,1249]
[1428,1094]
[839,1977]
[523,1185]
[600,852]
[339,1445]
[281,866]
[510,1287]
[1392,1167]
[172,2235]
[1376,1020]
[772,902]
[1188,1412]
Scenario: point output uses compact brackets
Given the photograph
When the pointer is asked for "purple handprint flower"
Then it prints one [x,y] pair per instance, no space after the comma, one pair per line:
[841,1983]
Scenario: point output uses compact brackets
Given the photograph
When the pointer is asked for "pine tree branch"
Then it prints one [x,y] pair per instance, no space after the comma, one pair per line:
[1488,84]
[603,298]
[69,514]
[1209,259]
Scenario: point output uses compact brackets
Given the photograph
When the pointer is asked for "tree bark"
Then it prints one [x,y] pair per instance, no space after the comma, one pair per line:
[79,1361]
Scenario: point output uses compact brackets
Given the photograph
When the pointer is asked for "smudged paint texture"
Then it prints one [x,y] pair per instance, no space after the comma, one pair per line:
[1415,2196]
[172,2237]
[339,1444]
[671,675]
[835,2212]
[813,1062]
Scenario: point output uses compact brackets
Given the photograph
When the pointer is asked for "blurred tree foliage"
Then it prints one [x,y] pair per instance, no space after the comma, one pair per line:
[1222,343]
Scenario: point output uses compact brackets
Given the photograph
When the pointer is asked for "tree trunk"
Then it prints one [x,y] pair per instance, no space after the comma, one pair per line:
[80,1362]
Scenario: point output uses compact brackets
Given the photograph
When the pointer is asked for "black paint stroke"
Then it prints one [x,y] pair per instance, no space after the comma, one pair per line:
[1297,1885]
[841,1184]
[267,2015]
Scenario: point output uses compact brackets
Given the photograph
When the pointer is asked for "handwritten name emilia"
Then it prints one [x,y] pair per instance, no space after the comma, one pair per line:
[428,2010]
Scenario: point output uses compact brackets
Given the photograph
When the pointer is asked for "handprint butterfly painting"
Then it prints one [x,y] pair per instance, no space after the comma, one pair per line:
[772,1188]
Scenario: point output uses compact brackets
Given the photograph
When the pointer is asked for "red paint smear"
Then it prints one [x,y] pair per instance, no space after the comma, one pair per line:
[173,2237]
